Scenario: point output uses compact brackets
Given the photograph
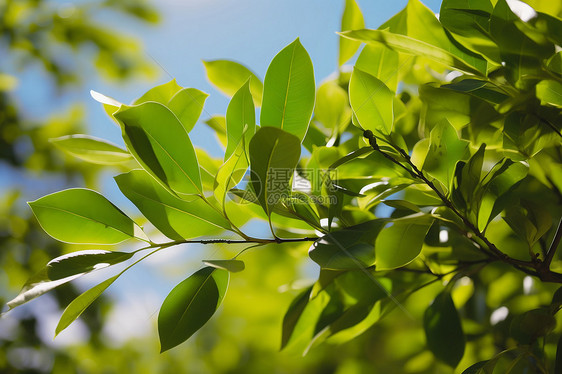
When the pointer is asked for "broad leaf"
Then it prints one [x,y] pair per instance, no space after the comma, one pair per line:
[187,104]
[443,330]
[228,76]
[401,242]
[289,92]
[176,218]
[83,262]
[84,216]
[381,62]
[371,102]
[274,154]
[190,305]
[445,149]
[349,248]
[160,143]
[91,149]
[332,108]
[352,19]
[240,120]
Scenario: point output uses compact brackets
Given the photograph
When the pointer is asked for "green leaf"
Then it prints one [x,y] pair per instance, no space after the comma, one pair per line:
[83,262]
[84,216]
[531,325]
[550,92]
[371,102]
[349,248]
[233,266]
[408,45]
[91,149]
[289,92]
[401,242]
[187,104]
[352,19]
[274,154]
[443,330]
[467,181]
[230,174]
[380,62]
[332,108]
[228,76]
[476,368]
[64,269]
[469,22]
[301,318]
[190,305]
[79,305]
[445,149]
[160,143]
[558,362]
[161,94]
[240,120]
[176,218]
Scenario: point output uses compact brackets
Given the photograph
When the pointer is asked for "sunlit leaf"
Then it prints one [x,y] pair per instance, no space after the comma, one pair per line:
[233,266]
[371,101]
[550,92]
[229,76]
[83,216]
[380,62]
[190,305]
[161,94]
[289,92]
[443,330]
[176,218]
[83,262]
[160,143]
[352,19]
[187,104]
[332,108]
[240,120]
[79,305]
[92,149]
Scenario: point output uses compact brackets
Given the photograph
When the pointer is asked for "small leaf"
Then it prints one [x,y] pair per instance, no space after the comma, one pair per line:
[176,218]
[352,19]
[190,305]
[443,330]
[274,154]
[229,76]
[332,108]
[233,266]
[79,305]
[160,143]
[91,149]
[83,216]
[161,94]
[401,243]
[371,101]
[289,92]
[83,262]
[240,120]
[187,104]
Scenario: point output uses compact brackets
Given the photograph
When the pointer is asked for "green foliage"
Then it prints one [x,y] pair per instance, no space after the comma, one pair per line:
[432,200]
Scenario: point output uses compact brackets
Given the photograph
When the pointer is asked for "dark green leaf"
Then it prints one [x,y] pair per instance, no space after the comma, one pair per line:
[443,330]
[83,216]
[289,92]
[190,305]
